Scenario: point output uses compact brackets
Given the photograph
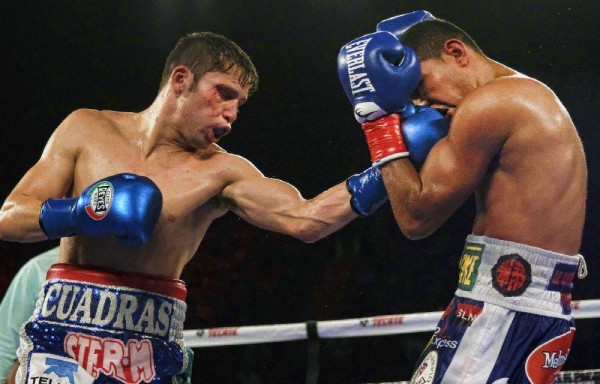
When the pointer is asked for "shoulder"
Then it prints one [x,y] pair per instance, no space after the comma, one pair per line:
[508,95]
[80,127]
[85,115]
[224,166]
[80,122]
[86,125]
[504,103]
[92,118]
[234,167]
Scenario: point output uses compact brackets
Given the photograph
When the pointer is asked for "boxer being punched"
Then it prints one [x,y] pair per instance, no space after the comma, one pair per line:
[513,144]
[132,195]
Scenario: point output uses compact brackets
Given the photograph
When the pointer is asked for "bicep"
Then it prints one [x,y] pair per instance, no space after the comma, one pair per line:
[264,202]
[44,180]
[52,174]
[458,163]
[452,172]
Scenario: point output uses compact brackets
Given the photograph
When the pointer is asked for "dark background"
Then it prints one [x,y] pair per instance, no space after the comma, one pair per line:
[62,55]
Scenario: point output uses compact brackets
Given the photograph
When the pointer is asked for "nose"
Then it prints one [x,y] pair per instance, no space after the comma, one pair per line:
[230,112]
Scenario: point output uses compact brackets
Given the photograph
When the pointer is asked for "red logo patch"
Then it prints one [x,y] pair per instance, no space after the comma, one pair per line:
[511,275]
[544,363]
[131,363]
[467,313]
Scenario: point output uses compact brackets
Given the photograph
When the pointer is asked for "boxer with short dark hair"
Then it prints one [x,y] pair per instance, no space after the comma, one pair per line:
[131,195]
[511,143]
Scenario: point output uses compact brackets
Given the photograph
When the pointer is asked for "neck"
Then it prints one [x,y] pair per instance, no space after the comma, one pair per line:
[493,70]
[157,129]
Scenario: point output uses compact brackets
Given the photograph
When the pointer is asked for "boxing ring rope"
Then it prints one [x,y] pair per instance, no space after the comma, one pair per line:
[358,327]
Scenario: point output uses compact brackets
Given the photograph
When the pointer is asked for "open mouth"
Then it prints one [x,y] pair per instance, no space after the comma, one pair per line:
[220,132]
[213,135]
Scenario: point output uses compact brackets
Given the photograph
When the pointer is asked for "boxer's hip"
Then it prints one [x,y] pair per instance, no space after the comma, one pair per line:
[112,301]
[105,325]
[517,276]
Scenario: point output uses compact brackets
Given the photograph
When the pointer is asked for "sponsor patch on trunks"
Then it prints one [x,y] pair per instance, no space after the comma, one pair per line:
[131,363]
[511,275]
[544,363]
[426,371]
[469,265]
[115,308]
[562,281]
[51,369]
[466,313]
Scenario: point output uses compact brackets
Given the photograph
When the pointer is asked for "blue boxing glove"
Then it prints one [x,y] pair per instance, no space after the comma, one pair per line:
[378,75]
[125,205]
[367,190]
[422,127]
[397,25]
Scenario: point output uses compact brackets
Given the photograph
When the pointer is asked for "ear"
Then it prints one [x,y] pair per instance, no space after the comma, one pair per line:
[180,78]
[458,50]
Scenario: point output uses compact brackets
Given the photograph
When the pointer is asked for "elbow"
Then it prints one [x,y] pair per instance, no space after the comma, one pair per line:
[6,234]
[413,235]
[418,218]
[3,227]
[308,234]
[415,229]
[308,237]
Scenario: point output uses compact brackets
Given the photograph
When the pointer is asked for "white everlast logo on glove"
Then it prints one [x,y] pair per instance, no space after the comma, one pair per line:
[355,59]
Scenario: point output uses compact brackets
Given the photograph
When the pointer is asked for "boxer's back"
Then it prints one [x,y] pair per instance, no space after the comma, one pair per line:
[535,189]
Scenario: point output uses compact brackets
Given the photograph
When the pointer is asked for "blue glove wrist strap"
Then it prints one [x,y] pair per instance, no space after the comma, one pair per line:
[57,217]
[367,190]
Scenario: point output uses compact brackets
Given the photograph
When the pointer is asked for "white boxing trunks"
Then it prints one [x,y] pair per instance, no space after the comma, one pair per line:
[100,326]
[510,320]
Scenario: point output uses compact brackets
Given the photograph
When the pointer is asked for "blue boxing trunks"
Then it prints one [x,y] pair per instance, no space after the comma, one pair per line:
[510,320]
[99,326]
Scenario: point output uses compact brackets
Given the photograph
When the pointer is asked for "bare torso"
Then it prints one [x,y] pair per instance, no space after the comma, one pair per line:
[189,181]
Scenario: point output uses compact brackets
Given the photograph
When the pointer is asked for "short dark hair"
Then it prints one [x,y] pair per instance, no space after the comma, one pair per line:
[204,52]
[427,38]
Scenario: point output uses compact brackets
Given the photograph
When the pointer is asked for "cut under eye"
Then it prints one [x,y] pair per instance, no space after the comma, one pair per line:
[227,93]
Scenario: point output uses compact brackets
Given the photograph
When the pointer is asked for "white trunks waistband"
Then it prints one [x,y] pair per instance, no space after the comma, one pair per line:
[518,276]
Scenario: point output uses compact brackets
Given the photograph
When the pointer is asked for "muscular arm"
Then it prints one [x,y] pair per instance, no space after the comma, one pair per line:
[278,206]
[454,168]
[51,176]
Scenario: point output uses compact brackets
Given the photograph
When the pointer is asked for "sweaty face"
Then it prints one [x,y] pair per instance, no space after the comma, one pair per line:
[443,84]
[210,108]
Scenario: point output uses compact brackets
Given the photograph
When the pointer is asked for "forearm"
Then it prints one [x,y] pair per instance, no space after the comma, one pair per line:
[19,219]
[327,213]
[278,206]
[416,206]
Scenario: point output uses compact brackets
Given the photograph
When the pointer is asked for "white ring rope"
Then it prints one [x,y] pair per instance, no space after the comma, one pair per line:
[366,326]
